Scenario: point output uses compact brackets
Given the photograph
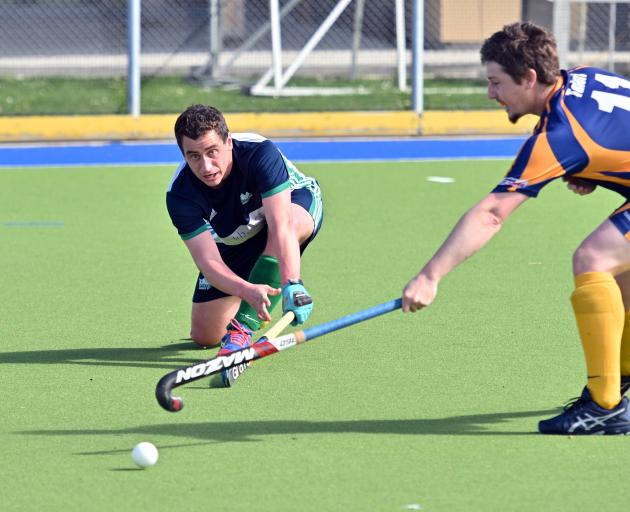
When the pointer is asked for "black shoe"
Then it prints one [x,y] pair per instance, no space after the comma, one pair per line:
[584,417]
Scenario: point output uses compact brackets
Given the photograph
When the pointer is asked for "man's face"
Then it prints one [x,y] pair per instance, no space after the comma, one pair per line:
[516,98]
[209,158]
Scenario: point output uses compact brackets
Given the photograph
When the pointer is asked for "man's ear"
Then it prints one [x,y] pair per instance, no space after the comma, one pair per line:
[531,77]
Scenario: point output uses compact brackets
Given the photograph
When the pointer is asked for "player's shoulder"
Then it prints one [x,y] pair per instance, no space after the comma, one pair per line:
[247,144]
[585,70]
[181,184]
[251,149]
[248,137]
[582,78]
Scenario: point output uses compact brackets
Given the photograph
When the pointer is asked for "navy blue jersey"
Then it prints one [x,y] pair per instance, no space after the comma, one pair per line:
[233,213]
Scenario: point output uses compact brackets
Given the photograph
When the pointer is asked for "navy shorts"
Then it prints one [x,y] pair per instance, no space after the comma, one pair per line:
[242,260]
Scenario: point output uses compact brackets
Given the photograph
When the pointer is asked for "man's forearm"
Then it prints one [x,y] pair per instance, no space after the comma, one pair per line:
[473,231]
[208,259]
[288,258]
[220,276]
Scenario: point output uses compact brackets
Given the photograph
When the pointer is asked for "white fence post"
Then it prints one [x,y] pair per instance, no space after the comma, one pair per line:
[561,29]
[401,49]
[276,44]
[417,79]
[133,57]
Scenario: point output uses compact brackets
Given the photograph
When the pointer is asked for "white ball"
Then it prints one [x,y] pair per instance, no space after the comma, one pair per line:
[144,454]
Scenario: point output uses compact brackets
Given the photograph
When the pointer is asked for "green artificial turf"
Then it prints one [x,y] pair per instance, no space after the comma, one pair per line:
[435,411]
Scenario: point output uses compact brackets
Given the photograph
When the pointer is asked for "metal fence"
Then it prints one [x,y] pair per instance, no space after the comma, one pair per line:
[89,37]
[224,39]
[593,32]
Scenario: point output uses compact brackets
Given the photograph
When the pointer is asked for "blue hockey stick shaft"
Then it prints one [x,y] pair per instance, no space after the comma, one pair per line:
[351,319]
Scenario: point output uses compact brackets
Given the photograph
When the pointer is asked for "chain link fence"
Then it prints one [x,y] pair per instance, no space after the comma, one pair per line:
[89,37]
[220,41]
[594,32]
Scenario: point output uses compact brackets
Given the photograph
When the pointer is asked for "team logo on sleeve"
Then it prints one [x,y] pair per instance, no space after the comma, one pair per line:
[513,182]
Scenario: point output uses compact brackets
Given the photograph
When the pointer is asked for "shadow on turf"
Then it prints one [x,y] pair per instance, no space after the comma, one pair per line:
[158,357]
[239,431]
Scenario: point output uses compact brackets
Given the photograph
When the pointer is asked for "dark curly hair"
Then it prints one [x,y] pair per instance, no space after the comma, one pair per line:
[522,46]
[197,120]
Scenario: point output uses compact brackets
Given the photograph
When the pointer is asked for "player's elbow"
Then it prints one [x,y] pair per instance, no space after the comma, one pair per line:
[497,207]
[495,219]
[490,224]
[490,216]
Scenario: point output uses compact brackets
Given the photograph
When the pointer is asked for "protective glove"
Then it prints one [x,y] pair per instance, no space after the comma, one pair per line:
[295,298]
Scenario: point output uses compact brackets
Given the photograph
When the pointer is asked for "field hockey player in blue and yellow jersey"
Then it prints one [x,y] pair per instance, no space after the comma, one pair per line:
[583,137]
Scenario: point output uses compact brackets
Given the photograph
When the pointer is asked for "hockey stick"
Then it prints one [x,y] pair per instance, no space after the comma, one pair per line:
[262,348]
[218,380]
[172,379]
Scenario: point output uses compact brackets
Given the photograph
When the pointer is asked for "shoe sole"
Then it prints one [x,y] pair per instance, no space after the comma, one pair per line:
[600,433]
[619,431]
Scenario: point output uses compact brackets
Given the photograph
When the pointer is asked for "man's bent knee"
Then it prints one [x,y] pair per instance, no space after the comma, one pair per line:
[605,250]
[206,334]
[209,320]
[586,259]
[302,223]
[203,339]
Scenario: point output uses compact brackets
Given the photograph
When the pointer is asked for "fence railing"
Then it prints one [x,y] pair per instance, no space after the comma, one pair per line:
[245,41]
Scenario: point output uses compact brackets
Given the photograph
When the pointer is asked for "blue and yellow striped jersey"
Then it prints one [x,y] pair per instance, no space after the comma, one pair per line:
[583,132]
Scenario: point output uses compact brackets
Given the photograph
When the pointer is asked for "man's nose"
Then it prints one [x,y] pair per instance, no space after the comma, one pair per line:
[206,163]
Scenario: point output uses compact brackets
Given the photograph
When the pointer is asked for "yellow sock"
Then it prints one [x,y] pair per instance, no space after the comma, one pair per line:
[600,316]
[625,347]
